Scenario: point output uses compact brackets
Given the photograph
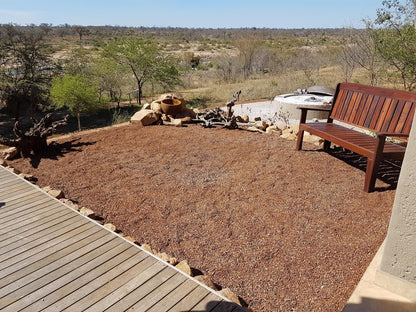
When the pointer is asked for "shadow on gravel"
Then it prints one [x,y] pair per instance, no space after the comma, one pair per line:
[388,171]
[56,150]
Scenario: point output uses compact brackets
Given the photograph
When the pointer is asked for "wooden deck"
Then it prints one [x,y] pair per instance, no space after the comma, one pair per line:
[54,259]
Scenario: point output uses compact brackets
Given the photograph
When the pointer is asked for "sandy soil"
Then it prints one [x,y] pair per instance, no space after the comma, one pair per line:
[285,230]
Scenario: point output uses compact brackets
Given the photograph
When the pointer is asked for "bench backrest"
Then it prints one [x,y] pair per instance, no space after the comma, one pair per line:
[373,108]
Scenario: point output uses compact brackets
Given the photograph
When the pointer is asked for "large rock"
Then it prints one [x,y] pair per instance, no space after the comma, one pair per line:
[273,130]
[87,212]
[289,136]
[155,106]
[110,227]
[28,177]
[9,153]
[227,293]
[206,280]
[145,117]
[69,203]
[147,247]
[56,193]
[165,257]
[184,267]
[262,125]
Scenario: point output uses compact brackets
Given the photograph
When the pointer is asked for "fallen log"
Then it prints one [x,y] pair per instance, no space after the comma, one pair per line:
[34,140]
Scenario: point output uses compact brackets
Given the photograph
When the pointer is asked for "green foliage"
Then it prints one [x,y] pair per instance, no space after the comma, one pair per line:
[110,78]
[145,60]
[75,93]
[396,39]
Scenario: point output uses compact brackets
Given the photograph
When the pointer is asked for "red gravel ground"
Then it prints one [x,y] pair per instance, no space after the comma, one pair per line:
[285,230]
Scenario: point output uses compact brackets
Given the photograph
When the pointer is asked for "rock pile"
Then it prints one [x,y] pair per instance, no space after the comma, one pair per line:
[170,109]
[155,113]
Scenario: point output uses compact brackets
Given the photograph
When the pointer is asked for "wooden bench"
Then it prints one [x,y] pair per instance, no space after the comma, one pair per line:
[384,112]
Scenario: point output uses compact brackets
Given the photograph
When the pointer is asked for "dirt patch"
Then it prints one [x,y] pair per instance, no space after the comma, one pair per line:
[285,230]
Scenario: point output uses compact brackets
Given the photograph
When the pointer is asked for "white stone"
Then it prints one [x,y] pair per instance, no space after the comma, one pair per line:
[9,153]
[110,227]
[87,212]
[146,106]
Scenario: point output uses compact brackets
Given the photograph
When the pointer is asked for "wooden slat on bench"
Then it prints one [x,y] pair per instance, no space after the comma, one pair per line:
[54,259]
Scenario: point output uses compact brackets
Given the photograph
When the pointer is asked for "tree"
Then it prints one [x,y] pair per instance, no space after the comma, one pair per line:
[361,49]
[145,60]
[81,31]
[396,39]
[26,69]
[75,93]
[248,48]
[110,78]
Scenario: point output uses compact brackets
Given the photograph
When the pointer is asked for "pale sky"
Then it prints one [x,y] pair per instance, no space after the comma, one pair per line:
[192,13]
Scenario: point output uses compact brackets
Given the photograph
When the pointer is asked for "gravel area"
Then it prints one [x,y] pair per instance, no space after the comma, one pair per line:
[285,230]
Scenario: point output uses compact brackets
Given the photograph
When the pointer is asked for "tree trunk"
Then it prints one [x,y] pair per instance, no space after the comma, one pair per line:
[79,121]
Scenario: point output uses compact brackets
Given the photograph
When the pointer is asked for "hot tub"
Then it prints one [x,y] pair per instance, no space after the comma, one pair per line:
[284,108]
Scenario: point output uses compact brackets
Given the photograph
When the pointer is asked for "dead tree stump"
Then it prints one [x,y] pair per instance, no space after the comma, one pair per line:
[34,140]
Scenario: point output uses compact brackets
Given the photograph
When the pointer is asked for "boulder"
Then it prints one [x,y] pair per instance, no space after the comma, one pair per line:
[273,130]
[173,122]
[184,267]
[28,177]
[145,117]
[227,293]
[289,136]
[294,128]
[87,212]
[155,106]
[69,203]
[56,193]
[165,257]
[146,106]
[262,125]
[46,188]
[147,247]
[9,153]
[130,239]
[245,118]
[110,227]
[307,137]
[206,280]
[254,129]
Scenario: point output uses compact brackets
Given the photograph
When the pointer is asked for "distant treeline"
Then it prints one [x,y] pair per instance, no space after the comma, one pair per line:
[180,33]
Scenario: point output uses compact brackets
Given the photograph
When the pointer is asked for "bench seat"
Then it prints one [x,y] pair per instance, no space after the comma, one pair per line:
[355,141]
[384,112]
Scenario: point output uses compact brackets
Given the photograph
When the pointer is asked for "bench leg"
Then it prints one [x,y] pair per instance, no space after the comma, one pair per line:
[327,145]
[371,174]
[300,139]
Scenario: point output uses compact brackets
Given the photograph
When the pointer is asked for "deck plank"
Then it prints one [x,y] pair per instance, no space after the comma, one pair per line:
[54,259]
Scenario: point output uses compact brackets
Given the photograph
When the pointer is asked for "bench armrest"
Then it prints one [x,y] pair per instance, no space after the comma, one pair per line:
[305,109]
[390,134]
[314,108]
